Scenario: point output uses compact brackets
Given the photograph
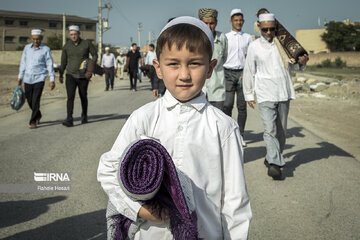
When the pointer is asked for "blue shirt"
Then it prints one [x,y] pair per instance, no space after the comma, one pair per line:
[36,64]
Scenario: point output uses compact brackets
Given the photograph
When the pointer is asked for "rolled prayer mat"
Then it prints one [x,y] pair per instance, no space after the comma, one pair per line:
[148,174]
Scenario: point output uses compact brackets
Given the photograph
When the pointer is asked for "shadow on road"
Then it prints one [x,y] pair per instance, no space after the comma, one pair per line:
[91,119]
[14,212]
[307,155]
[138,88]
[84,226]
[257,137]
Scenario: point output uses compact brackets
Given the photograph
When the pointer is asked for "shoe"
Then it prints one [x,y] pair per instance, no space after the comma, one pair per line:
[106,89]
[84,121]
[112,88]
[67,123]
[134,90]
[32,125]
[274,171]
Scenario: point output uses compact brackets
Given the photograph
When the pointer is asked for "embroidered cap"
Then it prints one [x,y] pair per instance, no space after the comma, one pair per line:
[235,11]
[36,32]
[266,17]
[192,21]
[74,27]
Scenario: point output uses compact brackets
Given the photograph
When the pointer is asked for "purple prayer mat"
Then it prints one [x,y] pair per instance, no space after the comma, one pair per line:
[147,173]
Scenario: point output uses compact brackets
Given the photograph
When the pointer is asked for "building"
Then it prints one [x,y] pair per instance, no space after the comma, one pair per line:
[15,27]
[311,40]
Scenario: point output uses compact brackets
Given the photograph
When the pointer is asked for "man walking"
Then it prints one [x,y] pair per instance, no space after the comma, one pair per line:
[238,43]
[214,87]
[108,62]
[74,52]
[120,60]
[269,78]
[36,63]
[132,59]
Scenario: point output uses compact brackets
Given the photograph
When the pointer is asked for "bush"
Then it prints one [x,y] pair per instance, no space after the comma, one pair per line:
[339,63]
[326,63]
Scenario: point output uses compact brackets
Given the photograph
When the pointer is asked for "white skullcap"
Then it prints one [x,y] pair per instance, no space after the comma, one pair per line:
[107,48]
[74,27]
[266,17]
[192,21]
[36,32]
[235,11]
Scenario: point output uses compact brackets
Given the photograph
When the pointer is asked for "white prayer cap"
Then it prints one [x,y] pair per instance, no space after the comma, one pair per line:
[192,21]
[36,32]
[74,27]
[235,11]
[266,17]
[107,48]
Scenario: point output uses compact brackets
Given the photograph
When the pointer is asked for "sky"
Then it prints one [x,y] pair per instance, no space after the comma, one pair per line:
[125,15]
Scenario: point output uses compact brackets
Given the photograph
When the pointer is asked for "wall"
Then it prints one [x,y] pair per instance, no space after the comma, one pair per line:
[14,57]
[310,39]
[352,59]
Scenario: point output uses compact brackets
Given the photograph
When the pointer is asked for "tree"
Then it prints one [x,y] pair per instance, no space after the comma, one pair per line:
[54,42]
[342,37]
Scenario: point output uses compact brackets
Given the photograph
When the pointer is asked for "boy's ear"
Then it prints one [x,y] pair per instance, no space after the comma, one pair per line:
[211,68]
[156,65]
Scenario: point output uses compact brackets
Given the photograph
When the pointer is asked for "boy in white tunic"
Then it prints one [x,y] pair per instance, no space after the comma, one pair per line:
[203,142]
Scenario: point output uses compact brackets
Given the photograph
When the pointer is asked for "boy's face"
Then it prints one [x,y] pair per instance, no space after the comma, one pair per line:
[184,72]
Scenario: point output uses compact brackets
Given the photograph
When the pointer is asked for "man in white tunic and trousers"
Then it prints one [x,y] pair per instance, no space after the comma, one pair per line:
[267,76]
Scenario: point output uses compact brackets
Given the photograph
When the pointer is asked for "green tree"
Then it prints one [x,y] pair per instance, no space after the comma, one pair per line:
[54,42]
[342,37]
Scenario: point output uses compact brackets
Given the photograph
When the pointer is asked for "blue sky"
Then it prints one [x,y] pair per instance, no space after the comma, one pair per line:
[126,14]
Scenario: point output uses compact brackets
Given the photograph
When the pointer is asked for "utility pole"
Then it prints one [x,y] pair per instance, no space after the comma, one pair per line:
[139,29]
[100,33]
[64,29]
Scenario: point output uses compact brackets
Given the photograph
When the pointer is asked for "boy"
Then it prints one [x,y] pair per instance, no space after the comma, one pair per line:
[203,142]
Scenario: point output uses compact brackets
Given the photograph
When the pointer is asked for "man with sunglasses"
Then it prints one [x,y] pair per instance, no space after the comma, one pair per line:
[238,43]
[267,76]
[36,63]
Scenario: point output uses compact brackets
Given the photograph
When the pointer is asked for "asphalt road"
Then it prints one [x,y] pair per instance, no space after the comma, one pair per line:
[319,197]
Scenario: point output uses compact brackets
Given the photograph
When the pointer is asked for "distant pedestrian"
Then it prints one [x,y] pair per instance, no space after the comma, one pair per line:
[108,62]
[238,43]
[75,52]
[36,63]
[266,76]
[120,61]
[215,86]
[140,64]
[132,58]
[149,58]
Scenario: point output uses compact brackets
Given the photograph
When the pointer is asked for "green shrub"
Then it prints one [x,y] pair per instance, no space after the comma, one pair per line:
[339,63]
[326,63]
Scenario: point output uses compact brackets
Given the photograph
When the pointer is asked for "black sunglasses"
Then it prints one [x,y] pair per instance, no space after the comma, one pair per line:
[265,30]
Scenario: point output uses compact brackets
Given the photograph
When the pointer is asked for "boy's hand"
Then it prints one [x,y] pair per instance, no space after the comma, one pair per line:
[19,81]
[61,79]
[156,93]
[252,104]
[148,212]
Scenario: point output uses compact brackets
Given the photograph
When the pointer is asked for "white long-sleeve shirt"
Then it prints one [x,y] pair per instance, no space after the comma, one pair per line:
[150,56]
[108,61]
[238,43]
[205,145]
[266,75]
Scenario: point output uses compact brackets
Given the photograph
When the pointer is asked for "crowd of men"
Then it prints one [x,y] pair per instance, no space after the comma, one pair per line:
[245,68]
